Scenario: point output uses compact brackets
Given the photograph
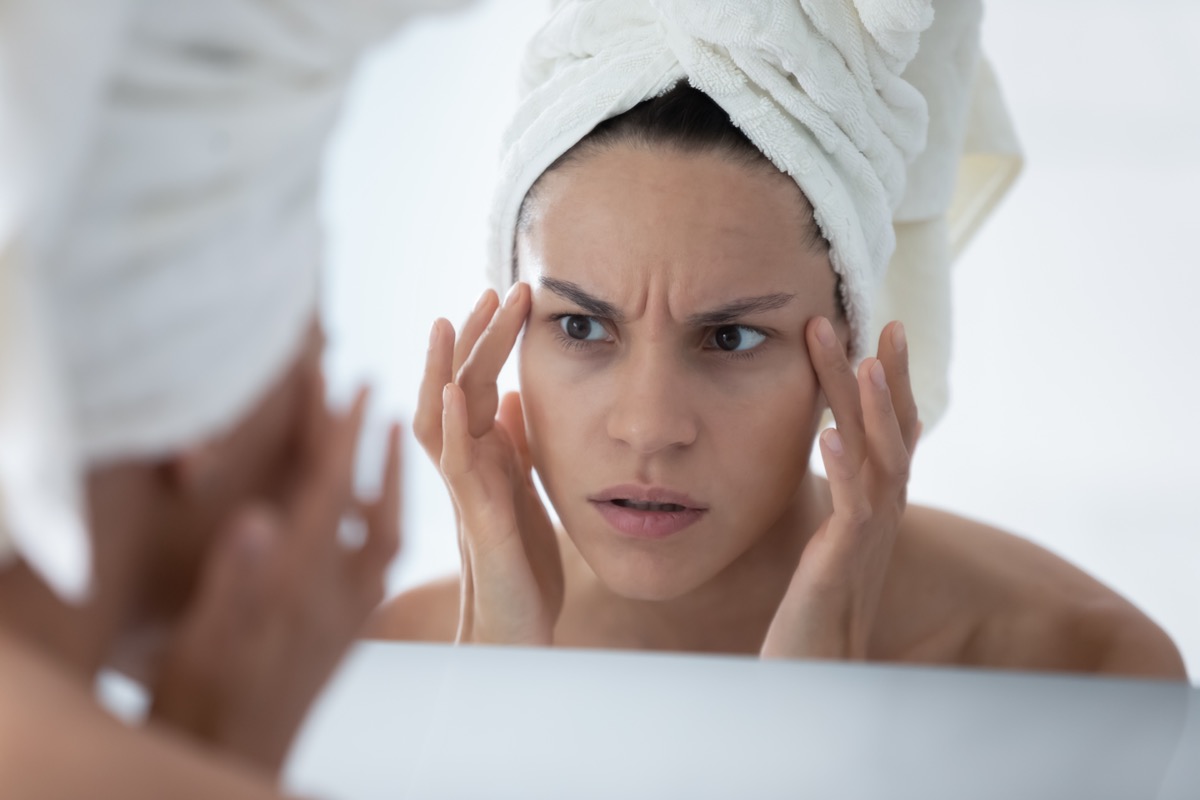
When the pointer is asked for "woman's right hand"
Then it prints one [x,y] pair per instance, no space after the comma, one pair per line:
[281,597]
[512,575]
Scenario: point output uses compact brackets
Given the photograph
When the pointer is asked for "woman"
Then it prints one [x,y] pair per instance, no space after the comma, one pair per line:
[697,273]
[175,514]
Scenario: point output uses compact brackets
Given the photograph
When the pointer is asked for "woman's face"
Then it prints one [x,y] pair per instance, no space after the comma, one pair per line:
[669,400]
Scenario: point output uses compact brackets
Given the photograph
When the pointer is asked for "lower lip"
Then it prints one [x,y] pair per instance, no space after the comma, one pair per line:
[647,524]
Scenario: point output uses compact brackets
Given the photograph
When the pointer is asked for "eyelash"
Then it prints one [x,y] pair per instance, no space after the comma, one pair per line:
[579,345]
[582,345]
[738,355]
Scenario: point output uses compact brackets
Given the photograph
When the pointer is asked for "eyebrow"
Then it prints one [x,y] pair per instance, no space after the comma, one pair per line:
[722,315]
[733,311]
[575,293]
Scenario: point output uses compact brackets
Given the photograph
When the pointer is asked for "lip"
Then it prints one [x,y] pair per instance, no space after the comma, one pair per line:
[647,524]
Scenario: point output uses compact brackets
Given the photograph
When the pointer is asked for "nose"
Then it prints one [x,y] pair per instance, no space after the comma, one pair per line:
[652,411]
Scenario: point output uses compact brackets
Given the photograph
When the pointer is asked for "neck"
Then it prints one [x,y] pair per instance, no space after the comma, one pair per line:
[82,637]
[729,613]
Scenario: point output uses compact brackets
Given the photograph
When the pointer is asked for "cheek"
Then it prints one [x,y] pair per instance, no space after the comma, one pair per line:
[261,463]
[555,406]
[269,454]
[765,430]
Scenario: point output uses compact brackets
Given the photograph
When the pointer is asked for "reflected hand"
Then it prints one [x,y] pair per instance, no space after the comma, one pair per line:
[830,605]
[281,600]
[512,575]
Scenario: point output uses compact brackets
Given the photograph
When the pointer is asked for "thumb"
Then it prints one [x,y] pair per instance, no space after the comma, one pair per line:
[231,589]
[218,624]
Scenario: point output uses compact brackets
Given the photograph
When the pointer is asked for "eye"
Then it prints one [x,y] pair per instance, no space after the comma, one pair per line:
[737,338]
[583,329]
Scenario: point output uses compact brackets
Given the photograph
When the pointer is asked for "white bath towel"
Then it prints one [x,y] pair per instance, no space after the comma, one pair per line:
[842,95]
[54,57]
[176,251]
[970,161]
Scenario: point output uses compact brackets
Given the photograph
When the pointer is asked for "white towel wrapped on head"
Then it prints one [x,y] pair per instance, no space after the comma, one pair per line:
[169,256]
[839,94]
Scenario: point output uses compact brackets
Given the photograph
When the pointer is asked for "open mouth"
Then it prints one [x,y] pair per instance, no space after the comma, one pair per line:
[638,505]
[647,512]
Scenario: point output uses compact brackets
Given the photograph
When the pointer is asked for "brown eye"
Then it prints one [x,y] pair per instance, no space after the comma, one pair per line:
[736,338]
[584,329]
[728,338]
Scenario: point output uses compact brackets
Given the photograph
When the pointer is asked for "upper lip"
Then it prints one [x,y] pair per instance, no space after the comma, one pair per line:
[646,494]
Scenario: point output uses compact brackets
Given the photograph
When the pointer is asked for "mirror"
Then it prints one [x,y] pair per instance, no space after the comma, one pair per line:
[1068,421]
[702,356]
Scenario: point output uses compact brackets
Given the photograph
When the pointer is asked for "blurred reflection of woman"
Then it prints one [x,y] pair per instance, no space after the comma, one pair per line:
[174,512]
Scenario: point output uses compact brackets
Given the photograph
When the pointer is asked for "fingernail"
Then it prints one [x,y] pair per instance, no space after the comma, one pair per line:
[482,299]
[433,334]
[447,395]
[833,441]
[511,297]
[899,340]
[877,376]
[825,334]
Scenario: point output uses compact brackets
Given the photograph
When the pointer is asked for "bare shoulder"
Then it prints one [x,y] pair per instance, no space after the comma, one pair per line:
[1018,605]
[102,757]
[426,613]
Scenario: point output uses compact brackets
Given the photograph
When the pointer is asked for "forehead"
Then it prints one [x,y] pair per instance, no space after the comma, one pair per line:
[697,224]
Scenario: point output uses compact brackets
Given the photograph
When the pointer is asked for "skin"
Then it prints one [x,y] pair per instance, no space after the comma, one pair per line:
[219,581]
[782,563]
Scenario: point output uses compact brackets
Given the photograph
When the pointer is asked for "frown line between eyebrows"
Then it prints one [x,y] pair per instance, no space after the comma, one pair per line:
[574,293]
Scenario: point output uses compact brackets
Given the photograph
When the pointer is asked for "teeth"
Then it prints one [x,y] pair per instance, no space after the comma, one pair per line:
[640,506]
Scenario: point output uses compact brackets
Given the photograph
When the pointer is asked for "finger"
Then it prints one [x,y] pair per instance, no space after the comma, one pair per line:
[315,430]
[839,384]
[851,506]
[888,452]
[457,444]
[512,419]
[477,322]
[485,512]
[316,514]
[383,516]
[427,422]
[893,354]
[231,591]
[458,459]
[478,374]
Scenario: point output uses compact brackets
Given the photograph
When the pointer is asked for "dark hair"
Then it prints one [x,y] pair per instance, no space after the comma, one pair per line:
[686,119]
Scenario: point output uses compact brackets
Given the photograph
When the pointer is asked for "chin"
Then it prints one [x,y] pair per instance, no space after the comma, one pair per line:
[646,570]
[639,576]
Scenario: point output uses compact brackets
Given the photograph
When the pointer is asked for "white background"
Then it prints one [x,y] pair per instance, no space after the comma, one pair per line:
[1074,416]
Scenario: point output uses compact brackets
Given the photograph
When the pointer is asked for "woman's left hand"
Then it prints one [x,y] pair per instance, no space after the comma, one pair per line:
[830,605]
[280,600]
